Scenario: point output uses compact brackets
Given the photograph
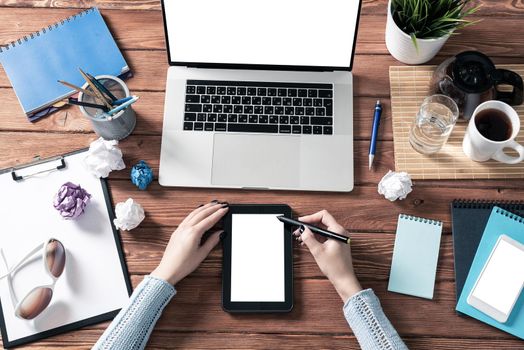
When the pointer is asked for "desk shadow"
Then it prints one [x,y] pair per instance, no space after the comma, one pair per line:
[52,317]
[294,315]
[90,222]
[71,273]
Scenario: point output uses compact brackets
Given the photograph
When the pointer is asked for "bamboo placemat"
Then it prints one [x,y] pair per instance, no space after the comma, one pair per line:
[409,87]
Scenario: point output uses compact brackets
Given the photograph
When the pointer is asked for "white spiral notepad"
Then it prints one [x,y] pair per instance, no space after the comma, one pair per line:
[415,256]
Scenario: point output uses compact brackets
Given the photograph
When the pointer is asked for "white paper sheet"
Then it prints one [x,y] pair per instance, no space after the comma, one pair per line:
[93,282]
[257,258]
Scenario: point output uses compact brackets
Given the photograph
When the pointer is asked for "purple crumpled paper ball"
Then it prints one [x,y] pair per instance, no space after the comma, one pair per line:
[71,200]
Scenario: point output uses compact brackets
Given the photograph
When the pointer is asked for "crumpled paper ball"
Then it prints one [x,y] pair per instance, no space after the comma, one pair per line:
[141,175]
[71,200]
[103,157]
[129,214]
[395,185]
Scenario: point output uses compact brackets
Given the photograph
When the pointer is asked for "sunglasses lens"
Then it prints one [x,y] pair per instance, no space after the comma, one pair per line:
[35,303]
[55,257]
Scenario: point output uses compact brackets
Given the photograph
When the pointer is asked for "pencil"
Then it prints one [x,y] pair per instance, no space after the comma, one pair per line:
[95,89]
[318,230]
[77,88]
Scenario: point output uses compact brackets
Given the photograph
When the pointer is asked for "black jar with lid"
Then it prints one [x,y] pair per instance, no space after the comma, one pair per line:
[471,78]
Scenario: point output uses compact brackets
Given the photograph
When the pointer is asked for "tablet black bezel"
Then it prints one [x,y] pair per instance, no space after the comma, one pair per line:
[284,306]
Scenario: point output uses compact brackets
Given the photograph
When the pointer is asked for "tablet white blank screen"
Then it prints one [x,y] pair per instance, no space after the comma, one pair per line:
[502,278]
[270,32]
[257,258]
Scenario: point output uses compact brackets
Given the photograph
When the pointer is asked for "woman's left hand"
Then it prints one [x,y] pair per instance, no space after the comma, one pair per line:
[185,250]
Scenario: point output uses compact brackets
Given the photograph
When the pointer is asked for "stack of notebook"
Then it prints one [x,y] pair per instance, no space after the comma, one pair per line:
[476,227]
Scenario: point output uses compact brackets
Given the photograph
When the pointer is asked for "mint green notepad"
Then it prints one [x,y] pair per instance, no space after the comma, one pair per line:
[500,222]
[415,256]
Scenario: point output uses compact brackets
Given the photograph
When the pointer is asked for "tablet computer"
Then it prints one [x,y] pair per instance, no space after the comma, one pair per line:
[257,274]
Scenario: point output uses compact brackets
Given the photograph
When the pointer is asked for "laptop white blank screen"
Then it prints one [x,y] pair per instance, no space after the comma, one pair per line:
[317,33]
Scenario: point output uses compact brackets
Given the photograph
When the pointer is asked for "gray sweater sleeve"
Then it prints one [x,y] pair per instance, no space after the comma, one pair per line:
[369,323]
[131,328]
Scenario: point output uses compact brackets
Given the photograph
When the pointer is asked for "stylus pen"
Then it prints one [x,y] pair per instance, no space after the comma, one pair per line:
[315,229]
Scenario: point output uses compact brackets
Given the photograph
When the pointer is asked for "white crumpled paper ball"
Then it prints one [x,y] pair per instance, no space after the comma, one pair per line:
[395,185]
[129,214]
[103,157]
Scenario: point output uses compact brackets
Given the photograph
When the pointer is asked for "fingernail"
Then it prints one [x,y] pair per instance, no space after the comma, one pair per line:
[302,229]
[214,201]
[201,205]
[225,205]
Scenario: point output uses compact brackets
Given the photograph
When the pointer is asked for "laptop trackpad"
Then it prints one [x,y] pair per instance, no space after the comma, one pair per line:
[253,160]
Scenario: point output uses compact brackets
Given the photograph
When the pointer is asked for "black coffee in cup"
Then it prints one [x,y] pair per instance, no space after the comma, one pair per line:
[494,125]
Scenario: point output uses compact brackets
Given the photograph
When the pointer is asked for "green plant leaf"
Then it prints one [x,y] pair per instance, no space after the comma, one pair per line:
[431,18]
[414,41]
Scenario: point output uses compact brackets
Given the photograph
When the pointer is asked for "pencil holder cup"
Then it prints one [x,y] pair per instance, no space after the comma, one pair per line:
[118,126]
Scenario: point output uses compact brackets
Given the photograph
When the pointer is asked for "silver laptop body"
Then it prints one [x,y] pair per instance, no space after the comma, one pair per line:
[252,123]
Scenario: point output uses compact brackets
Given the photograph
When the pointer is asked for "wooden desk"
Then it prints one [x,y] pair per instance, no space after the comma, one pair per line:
[195,318]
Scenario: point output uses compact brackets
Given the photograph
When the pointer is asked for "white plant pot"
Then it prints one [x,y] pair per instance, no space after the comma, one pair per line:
[401,46]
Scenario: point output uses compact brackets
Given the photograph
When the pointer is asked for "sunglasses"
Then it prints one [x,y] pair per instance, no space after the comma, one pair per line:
[38,298]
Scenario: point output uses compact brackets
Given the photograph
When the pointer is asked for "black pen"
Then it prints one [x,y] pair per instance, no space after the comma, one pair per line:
[86,104]
[315,229]
[101,87]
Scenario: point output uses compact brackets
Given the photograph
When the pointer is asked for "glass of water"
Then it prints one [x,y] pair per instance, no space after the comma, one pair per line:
[433,124]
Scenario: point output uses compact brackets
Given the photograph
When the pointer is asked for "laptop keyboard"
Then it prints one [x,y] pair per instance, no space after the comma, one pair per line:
[259,107]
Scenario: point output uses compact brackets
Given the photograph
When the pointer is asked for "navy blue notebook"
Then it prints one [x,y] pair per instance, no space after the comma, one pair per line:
[35,62]
[469,219]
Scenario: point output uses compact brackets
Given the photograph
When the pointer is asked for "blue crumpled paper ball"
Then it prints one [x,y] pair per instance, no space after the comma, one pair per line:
[141,175]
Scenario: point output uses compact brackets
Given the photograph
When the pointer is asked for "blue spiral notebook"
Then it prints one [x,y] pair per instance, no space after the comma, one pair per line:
[35,62]
[415,256]
[500,222]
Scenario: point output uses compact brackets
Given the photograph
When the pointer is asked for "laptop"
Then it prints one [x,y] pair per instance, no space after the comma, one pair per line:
[259,94]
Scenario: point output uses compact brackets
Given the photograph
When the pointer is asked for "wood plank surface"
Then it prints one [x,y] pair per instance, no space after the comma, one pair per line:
[258,341]
[371,255]
[146,147]
[370,73]
[369,7]
[140,30]
[195,320]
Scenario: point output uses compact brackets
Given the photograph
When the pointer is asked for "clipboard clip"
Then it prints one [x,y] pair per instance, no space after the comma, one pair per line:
[15,177]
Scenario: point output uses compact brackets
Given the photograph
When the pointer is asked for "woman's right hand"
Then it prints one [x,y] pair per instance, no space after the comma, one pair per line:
[333,257]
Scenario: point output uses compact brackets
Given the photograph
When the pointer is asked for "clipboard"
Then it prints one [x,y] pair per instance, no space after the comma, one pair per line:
[95,284]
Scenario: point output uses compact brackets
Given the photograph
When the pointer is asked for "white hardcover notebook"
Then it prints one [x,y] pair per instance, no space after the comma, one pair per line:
[94,284]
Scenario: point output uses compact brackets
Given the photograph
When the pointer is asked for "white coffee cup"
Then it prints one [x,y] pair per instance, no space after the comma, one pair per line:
[480,149]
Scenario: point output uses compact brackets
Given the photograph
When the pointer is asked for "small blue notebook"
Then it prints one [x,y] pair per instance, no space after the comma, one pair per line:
[35,62]
[500,222]
[415,256]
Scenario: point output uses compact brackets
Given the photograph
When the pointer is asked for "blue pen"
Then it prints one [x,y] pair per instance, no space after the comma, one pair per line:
[121,107]
[374,134]
[120,101]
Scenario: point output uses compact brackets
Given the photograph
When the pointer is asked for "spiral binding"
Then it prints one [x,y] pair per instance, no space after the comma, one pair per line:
[510,215]
[419,219]
[45,30]
[487,204]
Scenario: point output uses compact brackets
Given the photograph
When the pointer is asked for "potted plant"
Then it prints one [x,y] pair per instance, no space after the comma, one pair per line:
[417,29]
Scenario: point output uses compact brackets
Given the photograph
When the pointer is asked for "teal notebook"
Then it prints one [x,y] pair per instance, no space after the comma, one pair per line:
[500,222]
[415,256]
[35,62]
